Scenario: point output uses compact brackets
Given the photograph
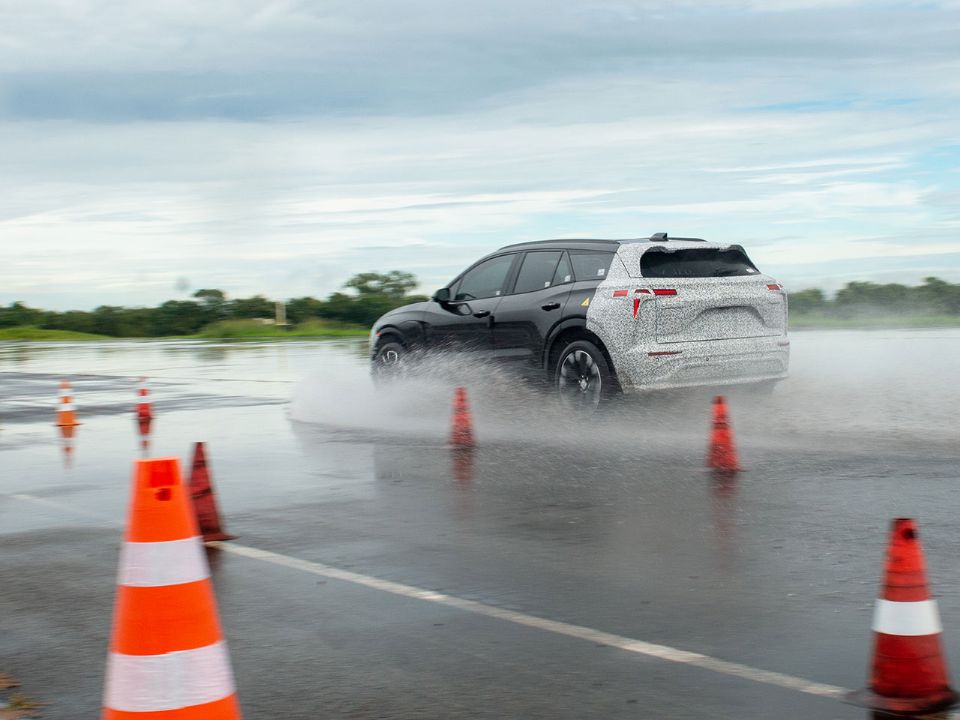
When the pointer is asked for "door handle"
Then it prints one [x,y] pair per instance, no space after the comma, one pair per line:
[482,314]
[550,306]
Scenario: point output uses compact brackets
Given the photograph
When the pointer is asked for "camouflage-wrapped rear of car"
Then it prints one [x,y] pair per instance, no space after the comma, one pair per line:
[686,313]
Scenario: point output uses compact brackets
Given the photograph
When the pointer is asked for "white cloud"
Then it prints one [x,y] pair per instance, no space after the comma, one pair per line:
[419,137]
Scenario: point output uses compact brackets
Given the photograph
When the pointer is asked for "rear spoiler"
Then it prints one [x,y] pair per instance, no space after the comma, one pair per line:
[663,237]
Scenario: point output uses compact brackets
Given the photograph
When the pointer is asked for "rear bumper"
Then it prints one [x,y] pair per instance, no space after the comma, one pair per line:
[715,362]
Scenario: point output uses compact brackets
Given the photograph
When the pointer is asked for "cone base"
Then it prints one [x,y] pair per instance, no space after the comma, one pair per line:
[72,424]
[724,469]
[209,537]
[939,700]
[724,473]
[461,439]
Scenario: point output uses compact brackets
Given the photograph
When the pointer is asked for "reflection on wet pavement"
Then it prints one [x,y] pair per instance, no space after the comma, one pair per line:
[610,523]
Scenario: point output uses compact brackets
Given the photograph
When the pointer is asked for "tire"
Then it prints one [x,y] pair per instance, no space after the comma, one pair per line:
[388,360]
[582,378]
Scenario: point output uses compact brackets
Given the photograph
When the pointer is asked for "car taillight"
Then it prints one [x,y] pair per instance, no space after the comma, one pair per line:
[664,291]
[638,300]
[774,286]
[619,293]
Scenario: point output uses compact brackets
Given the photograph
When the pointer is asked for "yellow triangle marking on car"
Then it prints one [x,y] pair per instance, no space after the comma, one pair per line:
[585,303]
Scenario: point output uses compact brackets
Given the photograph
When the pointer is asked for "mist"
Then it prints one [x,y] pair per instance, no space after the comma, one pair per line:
[874,387]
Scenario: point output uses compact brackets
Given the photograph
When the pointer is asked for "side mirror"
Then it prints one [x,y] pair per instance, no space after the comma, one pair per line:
[442,295]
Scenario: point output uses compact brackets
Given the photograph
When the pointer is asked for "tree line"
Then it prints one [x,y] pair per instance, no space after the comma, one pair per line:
[859,299]
[369,296]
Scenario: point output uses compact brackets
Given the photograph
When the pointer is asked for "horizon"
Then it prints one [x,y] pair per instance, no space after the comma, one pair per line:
[277,148]
[829,295]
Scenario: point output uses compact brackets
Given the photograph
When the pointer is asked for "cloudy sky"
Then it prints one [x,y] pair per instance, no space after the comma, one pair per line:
[148,149]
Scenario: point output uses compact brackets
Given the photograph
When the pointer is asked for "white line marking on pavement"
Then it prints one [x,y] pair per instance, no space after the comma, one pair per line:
[640,647]
[660,652]
[54,504]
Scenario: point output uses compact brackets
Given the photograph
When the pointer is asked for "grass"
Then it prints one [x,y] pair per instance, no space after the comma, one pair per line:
[29,332]
[225,330]
[253,330]
[871,322]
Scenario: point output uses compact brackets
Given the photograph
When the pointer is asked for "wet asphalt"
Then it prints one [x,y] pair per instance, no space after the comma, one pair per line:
[608,523]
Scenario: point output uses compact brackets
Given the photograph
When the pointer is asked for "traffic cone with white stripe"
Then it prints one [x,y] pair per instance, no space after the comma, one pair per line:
[143,427]
[66,412]
[167,655]
[909,673]
[144,406]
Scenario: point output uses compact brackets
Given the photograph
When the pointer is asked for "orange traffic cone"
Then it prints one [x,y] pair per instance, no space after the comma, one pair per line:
[144,406]
[167,655]
[461,431]
[144,426]
[722,454]
[66,413]
[204,500]
[909,673]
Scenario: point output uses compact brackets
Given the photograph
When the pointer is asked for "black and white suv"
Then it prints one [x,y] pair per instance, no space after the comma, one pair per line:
[593,316]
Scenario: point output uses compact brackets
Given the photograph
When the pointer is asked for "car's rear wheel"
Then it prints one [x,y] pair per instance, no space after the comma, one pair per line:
[582,377]
[388,360]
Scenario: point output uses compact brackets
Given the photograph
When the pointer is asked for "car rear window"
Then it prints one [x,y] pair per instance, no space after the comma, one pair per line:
[591,265]
[705,262]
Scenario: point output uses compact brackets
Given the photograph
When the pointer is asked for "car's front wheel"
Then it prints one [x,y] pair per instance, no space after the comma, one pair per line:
[388,360]
[582,377]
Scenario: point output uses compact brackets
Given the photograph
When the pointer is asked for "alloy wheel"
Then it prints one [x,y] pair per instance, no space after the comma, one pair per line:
[580,383]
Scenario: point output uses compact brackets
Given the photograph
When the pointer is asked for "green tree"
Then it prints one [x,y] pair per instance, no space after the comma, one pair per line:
[937,296]
[304,308]
[17,314]
[76,320]
[253,307]
[108,320]
[178,317]
[210,296]
[394,284]
[214,304]
[858,298]
[807,301]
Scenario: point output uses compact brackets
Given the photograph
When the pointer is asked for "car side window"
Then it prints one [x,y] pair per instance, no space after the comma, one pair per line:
[591,265]
[537,270]
[485,280]
[564,273]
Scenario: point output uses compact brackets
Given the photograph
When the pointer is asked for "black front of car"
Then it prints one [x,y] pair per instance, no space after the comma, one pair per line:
[402,326]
